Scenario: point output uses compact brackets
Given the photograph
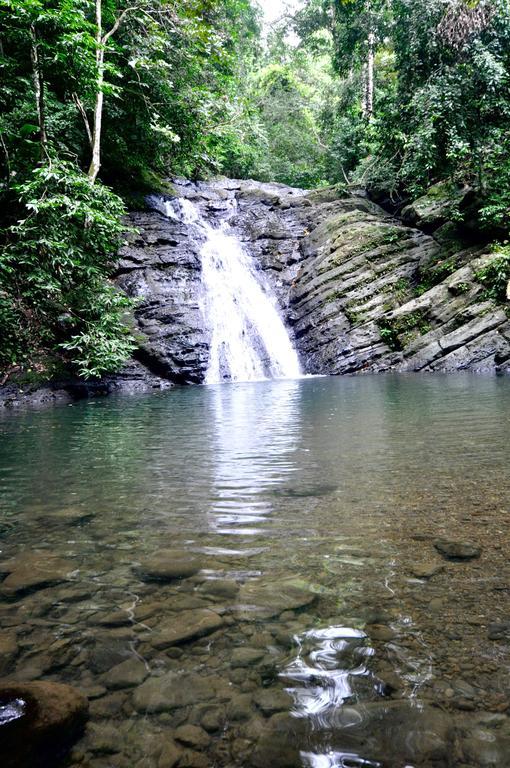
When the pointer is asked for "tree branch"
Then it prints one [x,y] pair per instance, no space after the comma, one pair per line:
[81,110]
[119,21]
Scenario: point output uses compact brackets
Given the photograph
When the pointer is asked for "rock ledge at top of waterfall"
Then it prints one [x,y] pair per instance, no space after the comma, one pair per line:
[233,278]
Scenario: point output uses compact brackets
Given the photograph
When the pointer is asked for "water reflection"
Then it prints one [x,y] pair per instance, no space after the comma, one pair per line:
[335,759]
[325,671]
[256,431]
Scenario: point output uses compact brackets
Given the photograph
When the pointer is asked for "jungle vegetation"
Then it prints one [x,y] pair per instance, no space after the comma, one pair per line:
[103,101]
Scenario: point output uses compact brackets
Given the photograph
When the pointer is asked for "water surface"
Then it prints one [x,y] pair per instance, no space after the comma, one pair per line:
[308,505]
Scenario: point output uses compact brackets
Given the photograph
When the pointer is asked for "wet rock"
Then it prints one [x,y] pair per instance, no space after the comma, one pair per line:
[280,743]
[240,708]
[167,565]
[380,632]
[33,570]
[170,755]
[212,720]
[186,626]
[426,570]
[107,652]
[224,588]
[172,691]
[267,600]
[192,759]
[499,630]
[457,550]
[113,619]
[104,739]
[52,717]
[128,674]
[272,700]
[192,736]
[69,516]
[246,657]
[8,651]
[344,273]
[108,706]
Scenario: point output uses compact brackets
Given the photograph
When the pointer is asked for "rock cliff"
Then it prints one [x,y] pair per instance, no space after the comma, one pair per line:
[360,290]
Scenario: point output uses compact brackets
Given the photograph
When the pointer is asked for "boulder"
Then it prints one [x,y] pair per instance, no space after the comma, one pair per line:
[33,570]
[39,722]
[167,565]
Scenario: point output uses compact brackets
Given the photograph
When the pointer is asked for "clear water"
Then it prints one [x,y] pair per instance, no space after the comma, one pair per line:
[307,504]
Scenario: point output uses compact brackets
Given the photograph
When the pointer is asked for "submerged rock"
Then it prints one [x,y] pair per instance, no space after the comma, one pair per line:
[499,630]
[186,626]
[167,565]
[457,550]
[128,674]
[33,570]
[38,722]
[265,600]
[172,691]
[426,570]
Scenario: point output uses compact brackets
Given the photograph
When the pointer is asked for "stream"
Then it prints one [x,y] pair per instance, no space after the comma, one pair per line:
[247,574]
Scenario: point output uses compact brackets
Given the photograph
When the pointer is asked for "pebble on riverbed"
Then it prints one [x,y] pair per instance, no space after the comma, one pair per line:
[457,550]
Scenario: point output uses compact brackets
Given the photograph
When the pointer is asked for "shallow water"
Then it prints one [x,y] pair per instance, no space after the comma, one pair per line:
[307,505]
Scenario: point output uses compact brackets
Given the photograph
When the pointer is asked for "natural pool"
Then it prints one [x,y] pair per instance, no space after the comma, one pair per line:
[304,616]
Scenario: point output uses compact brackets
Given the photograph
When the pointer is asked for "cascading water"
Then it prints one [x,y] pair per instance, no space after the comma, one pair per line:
[249,341]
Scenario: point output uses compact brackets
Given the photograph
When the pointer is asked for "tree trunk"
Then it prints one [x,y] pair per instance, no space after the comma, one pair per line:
[370,76]
[38,80]
[95,163]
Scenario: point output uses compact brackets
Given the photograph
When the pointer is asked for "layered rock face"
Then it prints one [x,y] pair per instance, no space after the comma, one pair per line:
[359,290]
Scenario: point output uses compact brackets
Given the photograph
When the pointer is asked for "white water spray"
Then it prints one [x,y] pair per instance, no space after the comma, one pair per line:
[249,341]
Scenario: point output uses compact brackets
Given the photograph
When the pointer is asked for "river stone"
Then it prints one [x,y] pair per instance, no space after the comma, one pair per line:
[186,626]
[69,515]
[280,743]
[426,570]
[224,588]
[54,719]
[126,675]
[167,565]
[169,756]
[104,738]
[266,600]
[245,657]
[457,550]
[272,700]
[192,736]
[380,632]
[499,630]
[8,651]
[33,570]
[172,691]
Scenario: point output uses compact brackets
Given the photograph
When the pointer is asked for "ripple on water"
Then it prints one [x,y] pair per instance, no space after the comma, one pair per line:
[327,672]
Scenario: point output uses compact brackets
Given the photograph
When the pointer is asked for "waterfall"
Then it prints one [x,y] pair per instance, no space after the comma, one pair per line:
[249,341]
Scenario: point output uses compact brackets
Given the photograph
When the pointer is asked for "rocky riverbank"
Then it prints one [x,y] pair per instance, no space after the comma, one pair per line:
[360,290]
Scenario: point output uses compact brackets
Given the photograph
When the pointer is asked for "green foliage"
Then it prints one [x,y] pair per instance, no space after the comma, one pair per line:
[172,105]
[292,146]
[441,98]
[398,332]
[54,291]
[495,276]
